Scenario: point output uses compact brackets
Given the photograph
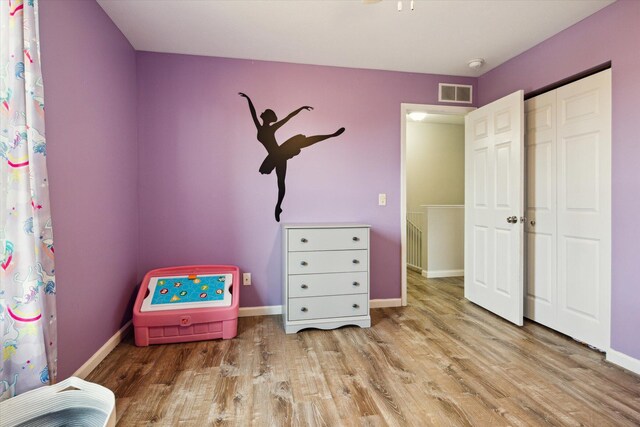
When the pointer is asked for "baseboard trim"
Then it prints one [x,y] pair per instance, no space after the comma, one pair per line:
[267,310]
[271,310]
[414,268]
[387,302]
[434,274]
[102,352]
[623,360]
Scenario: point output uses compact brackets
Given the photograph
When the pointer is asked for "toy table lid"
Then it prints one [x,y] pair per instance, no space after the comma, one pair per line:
[188,291]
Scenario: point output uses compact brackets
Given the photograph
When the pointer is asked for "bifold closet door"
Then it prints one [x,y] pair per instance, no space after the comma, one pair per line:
[494,203]
[540,225]
[584,209]
[568,228]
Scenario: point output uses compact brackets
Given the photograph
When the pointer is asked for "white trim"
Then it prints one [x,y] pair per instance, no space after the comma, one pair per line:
[267,310]
[404,110]
[102,352]
[271,310]
[387,302]
[433,274]
[623,360]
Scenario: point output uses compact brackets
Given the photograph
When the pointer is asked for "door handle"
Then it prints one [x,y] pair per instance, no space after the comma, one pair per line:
[532,222]
[512,219]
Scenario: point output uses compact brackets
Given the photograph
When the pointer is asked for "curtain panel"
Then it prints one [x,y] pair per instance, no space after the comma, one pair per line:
[28,287]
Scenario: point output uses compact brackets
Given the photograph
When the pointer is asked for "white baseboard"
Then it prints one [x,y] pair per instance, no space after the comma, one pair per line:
[623,360]
[433,274]
[388,302]
[102,352]
[267,310]
[270,310]
[414,268]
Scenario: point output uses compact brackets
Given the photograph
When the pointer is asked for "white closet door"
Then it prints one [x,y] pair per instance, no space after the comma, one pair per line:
[540,226]
[584,209]
[494,192]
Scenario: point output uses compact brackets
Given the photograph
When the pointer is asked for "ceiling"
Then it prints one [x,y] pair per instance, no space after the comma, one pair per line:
[438,36]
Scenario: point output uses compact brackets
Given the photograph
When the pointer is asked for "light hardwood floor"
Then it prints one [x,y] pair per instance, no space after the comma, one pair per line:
[440,361]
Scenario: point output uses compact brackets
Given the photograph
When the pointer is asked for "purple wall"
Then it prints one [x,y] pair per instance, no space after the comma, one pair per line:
[202,199]
[611,34]
[90,84]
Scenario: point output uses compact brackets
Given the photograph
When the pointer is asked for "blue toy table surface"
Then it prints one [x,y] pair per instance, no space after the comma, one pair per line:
[180,290]
[184,292]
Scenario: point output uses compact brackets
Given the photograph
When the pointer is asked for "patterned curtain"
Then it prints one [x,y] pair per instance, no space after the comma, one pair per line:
[27,291]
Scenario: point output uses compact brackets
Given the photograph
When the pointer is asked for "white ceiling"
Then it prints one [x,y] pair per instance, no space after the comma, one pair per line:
[438,37]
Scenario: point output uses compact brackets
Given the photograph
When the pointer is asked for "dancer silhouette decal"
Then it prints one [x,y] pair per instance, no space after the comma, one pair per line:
[278,155]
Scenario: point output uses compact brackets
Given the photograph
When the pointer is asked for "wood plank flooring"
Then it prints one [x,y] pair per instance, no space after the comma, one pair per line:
[441,361]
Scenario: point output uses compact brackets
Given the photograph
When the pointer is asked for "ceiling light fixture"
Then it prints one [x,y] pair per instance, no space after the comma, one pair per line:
[476,63]
[417,116]
[411,5]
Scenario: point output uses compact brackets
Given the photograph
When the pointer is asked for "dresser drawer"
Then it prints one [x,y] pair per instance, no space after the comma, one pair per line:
[328,262]
[311,285]
[315,239]
[332,306]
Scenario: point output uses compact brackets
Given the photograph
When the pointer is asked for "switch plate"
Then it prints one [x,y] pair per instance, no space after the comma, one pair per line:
[382,199]
[246,279]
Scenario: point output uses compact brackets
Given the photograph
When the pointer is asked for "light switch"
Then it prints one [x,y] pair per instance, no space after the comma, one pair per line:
[382,199]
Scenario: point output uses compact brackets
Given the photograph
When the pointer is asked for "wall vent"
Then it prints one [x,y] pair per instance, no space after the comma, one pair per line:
[462,94]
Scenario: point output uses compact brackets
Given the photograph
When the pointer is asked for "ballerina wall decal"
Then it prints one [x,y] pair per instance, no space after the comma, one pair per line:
[279,154]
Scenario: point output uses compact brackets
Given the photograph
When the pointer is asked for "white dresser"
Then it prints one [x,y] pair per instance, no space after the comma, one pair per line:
[326,276]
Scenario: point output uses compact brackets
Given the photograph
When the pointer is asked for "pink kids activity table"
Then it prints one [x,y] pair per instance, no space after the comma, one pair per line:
[190,303]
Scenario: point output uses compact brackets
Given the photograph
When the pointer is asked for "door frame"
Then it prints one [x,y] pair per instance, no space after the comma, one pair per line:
[404,110]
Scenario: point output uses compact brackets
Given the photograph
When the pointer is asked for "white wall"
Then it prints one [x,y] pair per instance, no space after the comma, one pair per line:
[435,164]
[444,253]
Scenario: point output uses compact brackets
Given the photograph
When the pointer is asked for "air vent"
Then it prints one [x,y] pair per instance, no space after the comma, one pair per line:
[462,94]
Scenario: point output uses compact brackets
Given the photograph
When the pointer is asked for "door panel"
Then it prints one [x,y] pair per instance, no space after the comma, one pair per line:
[494,183]
[503,253]
[584,209]
[569,201]
[582,258]
[540,227]
[480,178]
[479,271]
[581,172]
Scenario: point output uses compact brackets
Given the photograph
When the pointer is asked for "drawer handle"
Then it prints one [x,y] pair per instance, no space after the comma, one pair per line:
[356,239]
[355,306]
[356,284]
[303,263]
[304,309]
[303,286]
[355,261]
[303,240]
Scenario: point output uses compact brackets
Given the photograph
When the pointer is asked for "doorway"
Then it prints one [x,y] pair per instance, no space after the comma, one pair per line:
[433,201]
